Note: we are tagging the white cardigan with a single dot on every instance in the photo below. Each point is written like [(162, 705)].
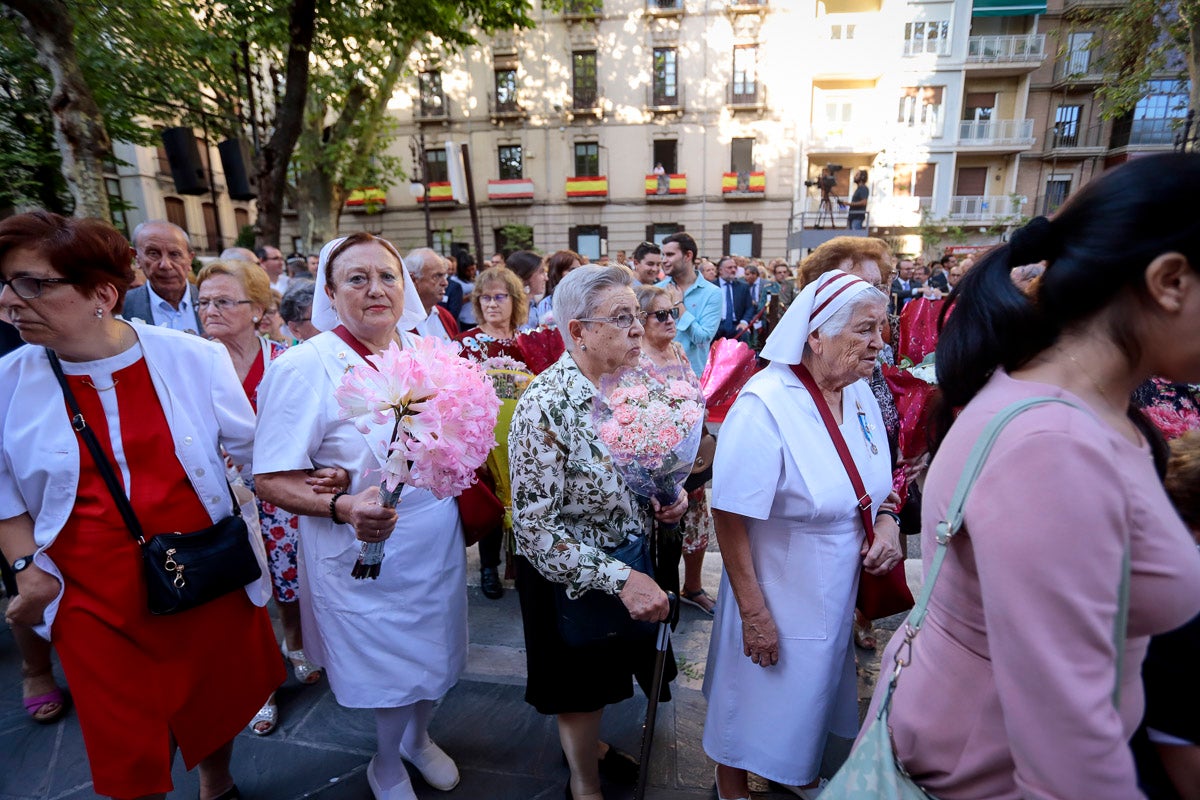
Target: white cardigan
[(201, 397)]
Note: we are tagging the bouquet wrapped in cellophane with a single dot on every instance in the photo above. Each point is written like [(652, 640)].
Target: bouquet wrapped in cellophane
[(443, 410), (650, 419), (509, 378)]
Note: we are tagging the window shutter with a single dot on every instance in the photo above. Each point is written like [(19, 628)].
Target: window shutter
[(725, 238), (573, 238), (756, 241), (649, 233), (603, 240)]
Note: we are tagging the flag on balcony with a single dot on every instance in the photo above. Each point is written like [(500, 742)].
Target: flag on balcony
[(743, 182), (675, 184), (1007, 8), (587, 186), (514, 189), (438, 193), (368, 197)]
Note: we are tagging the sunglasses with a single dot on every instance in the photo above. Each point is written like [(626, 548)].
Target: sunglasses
[(662, 315)]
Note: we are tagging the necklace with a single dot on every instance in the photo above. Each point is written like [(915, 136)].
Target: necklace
[(101, 388), (1088, 375)]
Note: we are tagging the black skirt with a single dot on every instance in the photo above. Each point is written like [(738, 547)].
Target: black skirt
[(563, 679)]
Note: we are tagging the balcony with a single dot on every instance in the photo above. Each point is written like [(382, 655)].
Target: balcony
[(664, 8), (746, 96), (369, 200), (1000, 56), (899, 212), (1066, 141), (1003, 135), (432, 107), (587, 103), (661, 101), (665, 188), (513, 192), (927, 47), (438, 193), (846, 137), (578, 10), (976, 208), (1148, 133), (813, 216), (744, 185), (504, 110), (746, 7), (587, 188), (1079, 69)]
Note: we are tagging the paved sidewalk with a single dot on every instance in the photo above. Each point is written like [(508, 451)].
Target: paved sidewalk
[(505, 750)]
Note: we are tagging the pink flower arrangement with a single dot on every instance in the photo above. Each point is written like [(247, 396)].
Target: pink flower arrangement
[(443, 409), (650, 421)]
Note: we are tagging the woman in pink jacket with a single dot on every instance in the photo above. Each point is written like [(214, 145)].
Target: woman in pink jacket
[(1010, 692)]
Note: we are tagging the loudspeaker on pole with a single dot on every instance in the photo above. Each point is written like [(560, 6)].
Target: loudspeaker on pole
[(187, 170), (241, 181)]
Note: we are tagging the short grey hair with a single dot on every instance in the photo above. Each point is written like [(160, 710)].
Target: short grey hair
[(575, 296), (416, 260), (297, 301), (841, 318), (141, 226)]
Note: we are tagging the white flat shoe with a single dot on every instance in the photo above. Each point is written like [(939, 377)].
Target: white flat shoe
[(400, 791), (811, 793), (437, 768), (717, 787)]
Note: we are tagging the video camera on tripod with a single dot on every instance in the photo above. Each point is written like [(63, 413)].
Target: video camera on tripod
[(827, 180)]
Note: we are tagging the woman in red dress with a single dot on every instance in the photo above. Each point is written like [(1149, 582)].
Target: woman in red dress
[(161, 404)]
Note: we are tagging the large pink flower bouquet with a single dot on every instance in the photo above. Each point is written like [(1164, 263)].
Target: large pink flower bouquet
[(650, 419), (443, 412)]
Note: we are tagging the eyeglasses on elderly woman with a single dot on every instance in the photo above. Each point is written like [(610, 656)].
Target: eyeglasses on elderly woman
[(620, 320), (27, 287)]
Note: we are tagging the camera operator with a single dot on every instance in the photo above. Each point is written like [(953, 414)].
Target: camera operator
[(856, 219)]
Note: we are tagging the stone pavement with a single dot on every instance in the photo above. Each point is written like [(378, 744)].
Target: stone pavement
[(505, 750)]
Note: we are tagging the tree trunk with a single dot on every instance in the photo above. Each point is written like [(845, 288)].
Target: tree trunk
[(79, 129), (1191, 15), (319, 201), (274, 156)]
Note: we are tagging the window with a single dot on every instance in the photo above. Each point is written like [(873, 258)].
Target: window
[(443, 242), (117, 205), (435, 166), (913, 180), (1057, 189), (741, 157), (657, 231), (1155, 115), (666, 152), (583, 79), (921, 108), (176, 212), (589, 240), (587, 159), (979, 106), (841, 31), (164, 163), (742, 239), (745, 74), (210, 227), (511, 164), (241, 218), (665, 5), (506, 90), (1079, 53), (433, 102), (931, 37), (1066, 126), (971, 182), (665, 89)]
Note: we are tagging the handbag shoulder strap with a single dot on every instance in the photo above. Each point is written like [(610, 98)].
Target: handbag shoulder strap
[(839, 443), (103, 466), (950, 527)]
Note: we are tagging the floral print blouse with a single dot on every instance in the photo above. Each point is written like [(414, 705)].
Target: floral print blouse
[(569, 503)]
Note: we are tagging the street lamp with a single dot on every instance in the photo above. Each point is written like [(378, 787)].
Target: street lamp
[(420, 188)]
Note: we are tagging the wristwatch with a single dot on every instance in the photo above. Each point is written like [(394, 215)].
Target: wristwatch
[(22, 563)]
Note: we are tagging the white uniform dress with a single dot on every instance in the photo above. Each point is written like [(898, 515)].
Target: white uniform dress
[(399, 638), (776, 465)]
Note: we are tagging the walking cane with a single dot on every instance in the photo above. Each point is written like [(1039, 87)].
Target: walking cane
[(660, 666)]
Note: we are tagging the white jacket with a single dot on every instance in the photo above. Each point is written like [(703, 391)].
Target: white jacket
[(201, 397)]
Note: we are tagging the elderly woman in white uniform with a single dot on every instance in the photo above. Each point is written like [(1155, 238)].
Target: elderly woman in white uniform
[(395, 644), (780, 674)]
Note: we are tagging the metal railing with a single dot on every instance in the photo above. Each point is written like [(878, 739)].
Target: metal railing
[(511, 108), (930, 47), (431, 105), (1079, 68), (658, 98), (999, 131), (1069, 136), (855, 135), (1006, 49), (980, 208), (587, 100), (753, 95)]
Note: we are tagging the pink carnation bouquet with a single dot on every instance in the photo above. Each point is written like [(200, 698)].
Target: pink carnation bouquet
[(443, 412), (650, 419)]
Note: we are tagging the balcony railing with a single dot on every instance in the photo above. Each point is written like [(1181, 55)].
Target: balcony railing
[(983, 208), (510, 108), (658, 98), (745, 6), (744, 184), (927, 47), (1069, 137), (852, 136), (582, 9), (431, 105), (996, 132), (1145, 132), (587, 187), (747, 95), (1079, 68), (1006, 49), (587, 101), (664, 7), (666, 185), (515, 190)]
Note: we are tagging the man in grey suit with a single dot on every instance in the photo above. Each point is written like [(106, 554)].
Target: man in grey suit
[(164, 255)]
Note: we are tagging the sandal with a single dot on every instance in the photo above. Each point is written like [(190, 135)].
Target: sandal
[(39, 708), (269, 714), (306, 672), (699, 599), (863, 636)]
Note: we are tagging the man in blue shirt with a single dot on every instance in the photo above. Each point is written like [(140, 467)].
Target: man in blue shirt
[(168, 298), (699, 299)]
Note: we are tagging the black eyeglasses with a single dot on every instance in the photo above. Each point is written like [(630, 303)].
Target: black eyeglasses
[(27, 287), (223, 304), (620, 320), (662, 315)]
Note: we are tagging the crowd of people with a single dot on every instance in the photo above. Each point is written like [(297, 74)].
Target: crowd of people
[(1078, 556)]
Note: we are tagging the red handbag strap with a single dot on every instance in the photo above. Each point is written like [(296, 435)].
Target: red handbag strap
[(860, 491), (355, 345)]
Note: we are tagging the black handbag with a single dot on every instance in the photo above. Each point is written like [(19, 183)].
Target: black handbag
[(598, 618), (182, 570)]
